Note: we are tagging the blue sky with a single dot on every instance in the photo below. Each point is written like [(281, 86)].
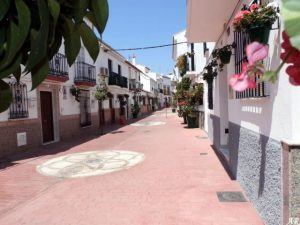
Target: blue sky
[(139, 23)]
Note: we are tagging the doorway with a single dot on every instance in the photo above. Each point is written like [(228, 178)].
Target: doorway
[(85, 108), (112, 110), (47, 116)]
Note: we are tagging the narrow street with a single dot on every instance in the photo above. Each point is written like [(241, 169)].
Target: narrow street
[(175, 184)]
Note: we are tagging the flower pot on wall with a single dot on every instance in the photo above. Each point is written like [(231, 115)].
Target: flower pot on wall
[(259, 34), (225, 57)]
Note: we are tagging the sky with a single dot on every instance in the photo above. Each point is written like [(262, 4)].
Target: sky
[(140, 23)]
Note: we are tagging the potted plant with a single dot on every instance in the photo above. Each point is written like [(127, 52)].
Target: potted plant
[(211, 71), (174, 106), (223, 54), (182, 63), (75, 91), (257, 21), (135, 109), (191, 116)]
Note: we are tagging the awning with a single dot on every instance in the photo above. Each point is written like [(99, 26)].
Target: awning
[(206, 18)]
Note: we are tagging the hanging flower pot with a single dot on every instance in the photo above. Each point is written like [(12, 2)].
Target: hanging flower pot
[(259, 34), (225, 56)]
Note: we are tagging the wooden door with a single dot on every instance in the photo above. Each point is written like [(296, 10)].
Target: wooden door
[(47, 116)]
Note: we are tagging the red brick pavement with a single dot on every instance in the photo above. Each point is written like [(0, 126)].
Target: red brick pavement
[(175, 185)]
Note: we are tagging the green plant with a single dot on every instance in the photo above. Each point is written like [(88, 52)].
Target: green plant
[(223, 55), (31, 33), (75, 91), (101, 93), (210, 71), (255, 16), (182, 63), (135, 109), (196, 95)]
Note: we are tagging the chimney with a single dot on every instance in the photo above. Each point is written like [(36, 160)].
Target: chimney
[(133, 60)]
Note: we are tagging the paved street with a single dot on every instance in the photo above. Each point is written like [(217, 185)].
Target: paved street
[(171, 177)]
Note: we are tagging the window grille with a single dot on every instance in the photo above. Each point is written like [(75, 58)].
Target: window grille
[(241, 40), (19, 105)]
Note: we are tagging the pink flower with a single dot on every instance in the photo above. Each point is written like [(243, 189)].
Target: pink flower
[(240, 82), (256, 52), (239, 16), (254, 7)]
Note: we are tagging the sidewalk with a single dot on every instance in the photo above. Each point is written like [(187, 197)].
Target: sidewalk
[(177, 184)]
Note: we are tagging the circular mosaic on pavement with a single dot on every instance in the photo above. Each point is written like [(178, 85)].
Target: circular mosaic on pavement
[(148, 124), (90, 163)]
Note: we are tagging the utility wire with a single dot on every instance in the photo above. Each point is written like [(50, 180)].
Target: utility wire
[(145, 48)]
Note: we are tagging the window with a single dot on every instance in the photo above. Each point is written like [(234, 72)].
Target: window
[(262, 89), (110, 69), (204, 48), (19, 105), (119, 70)]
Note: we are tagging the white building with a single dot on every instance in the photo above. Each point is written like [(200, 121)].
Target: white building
[(64, 105), (249, 128), (197, 55)]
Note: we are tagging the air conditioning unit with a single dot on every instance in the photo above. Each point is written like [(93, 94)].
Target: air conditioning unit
[(103, 71)]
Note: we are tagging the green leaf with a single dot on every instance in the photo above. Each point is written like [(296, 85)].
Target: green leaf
[(72, 40), (80, 10), (2, 41), (100, 10), (54, 9), (5, 96), (89, 40), (39, 73), (39, 40), (5, 4), (269, 76), (17, 74), (17, 34), (11, 68), (291, 15)]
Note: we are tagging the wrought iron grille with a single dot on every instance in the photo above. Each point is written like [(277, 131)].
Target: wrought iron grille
[(262, 89), (19, 105), (124, 82), (58, 65), (85, 72)]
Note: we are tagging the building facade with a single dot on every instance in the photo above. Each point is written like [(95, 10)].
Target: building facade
[(256, 130)]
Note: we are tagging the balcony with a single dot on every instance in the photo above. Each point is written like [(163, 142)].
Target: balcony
[(135, 85), (85, 74), (58, 69), (117, 80)]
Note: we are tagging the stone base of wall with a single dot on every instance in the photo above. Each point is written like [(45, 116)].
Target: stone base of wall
[(255, 161), (8, 135), (291, 175), (69, 126)]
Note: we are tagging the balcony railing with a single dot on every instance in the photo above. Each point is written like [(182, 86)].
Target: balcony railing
[(58, 68), (124, 82), (135, 85), (85, 74), (117, 80)]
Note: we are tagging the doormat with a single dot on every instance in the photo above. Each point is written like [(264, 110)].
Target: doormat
[(231, 197)]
